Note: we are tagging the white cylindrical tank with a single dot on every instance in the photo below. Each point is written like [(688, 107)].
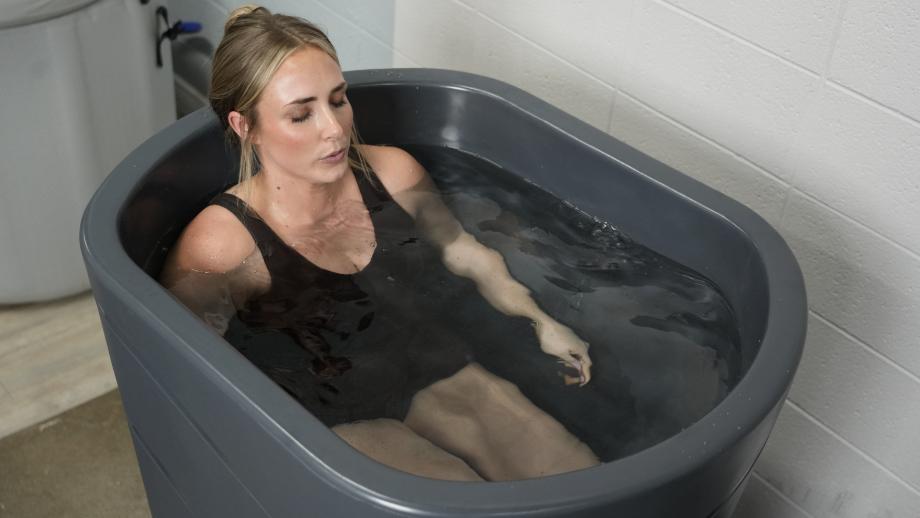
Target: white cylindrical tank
[(79, 89)]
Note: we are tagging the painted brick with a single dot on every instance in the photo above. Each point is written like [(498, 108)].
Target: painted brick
[(401, 61), (739, 96), (862, 161), (869, 402), (641, 128), (877, 52), (374, 17), (447, 35), (826, 477), (799, 30), (762, 501), (856, 279), (567, 29)]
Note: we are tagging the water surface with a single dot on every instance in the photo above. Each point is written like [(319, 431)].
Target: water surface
[(664, 341)]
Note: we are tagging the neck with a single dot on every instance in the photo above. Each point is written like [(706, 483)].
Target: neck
[(295, 201)]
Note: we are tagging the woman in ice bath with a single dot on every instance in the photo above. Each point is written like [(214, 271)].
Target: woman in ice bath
[(286, 250)]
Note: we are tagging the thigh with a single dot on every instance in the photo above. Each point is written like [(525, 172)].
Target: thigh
[(486, 421), (394, 444)]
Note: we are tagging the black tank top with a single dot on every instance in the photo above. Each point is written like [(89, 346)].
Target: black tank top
[(347, 346)]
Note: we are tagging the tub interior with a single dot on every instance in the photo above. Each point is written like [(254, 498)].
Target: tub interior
[(652, 213)]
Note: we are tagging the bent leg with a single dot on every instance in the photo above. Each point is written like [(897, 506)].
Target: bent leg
[(392, 443), (488, 422)]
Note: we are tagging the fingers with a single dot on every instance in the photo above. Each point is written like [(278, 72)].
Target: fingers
[(560, 341), (585, 374), (583, 364), (580, 364)]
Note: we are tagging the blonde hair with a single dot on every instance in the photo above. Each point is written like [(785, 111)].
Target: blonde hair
[(255, 43)]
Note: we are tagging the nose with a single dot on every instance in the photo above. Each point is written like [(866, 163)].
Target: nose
[(332, 128)]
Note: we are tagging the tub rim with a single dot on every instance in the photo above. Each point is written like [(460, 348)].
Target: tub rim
[(758, 393)]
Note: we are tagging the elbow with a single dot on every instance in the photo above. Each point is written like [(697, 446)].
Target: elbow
[(467, 257)]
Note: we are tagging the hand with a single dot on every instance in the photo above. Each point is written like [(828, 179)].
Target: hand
[(561, 342)]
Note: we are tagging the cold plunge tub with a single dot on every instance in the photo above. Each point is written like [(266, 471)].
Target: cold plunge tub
[(216, 437)]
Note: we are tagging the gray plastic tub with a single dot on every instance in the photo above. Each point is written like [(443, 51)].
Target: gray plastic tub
[(216, 437)]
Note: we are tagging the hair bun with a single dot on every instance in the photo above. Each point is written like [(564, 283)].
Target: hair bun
[(239, 12)]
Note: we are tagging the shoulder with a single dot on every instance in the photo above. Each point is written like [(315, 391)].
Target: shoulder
[(214, 242), (398, 170)]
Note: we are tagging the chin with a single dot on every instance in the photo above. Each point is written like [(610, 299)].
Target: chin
[(331, 174)]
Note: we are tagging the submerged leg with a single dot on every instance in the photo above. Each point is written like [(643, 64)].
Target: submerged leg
[(392, 443), (489, 423)]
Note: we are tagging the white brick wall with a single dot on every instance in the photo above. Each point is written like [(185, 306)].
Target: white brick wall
[(805, 110)]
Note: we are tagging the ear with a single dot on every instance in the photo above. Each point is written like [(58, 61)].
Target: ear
[(239, 124)]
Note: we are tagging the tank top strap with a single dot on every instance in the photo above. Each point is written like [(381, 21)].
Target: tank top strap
[(266, 238)]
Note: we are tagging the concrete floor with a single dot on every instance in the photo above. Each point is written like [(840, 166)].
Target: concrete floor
[(52, 358), (80, 463)]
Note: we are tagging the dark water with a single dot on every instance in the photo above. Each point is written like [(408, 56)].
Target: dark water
[(663, 340)]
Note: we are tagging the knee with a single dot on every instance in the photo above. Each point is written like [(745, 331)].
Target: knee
[(484, 381)]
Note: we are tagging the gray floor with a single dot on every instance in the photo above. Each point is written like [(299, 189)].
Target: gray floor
[(80, 463), (52, 358)]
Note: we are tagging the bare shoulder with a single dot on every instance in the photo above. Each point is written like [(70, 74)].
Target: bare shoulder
[(214, 242), (397, 169)]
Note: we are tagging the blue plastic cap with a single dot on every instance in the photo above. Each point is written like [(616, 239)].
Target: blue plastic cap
[(190, 27)]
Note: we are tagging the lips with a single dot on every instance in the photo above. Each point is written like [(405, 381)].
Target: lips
[(335, 156)]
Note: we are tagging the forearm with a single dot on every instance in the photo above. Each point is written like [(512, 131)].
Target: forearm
[(467, 257), (207, 297)]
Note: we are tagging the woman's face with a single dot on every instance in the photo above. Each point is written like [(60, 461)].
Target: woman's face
[(304, 119)]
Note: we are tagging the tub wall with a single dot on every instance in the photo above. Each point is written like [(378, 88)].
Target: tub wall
[(806, 111)]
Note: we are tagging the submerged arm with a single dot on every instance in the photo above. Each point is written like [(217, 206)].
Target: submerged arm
[(207, 268), (465, 256), (207, 295)]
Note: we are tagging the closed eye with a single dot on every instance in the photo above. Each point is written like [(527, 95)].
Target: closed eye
[(307, 115)]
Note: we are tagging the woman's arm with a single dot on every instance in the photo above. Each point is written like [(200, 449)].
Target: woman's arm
[(465, 256), (209, 268)]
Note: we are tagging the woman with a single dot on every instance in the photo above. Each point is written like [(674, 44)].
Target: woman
[(286, 250)]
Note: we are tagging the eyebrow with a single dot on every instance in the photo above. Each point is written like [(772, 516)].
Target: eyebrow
[(306, 100)]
